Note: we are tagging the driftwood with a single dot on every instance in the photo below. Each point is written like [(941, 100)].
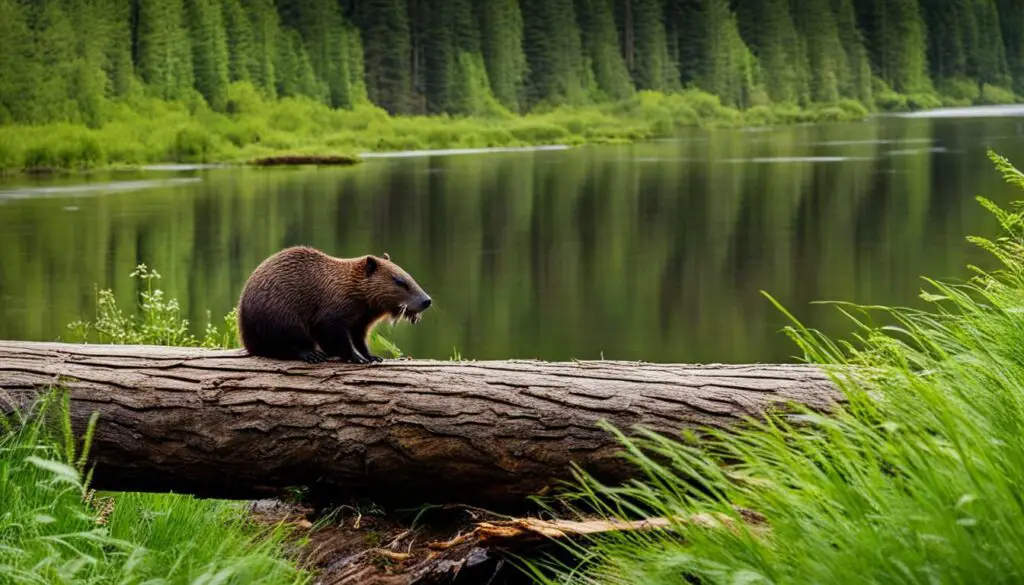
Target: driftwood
[(305, 159), (222, 424)]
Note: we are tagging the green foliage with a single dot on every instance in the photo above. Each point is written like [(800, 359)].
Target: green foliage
[(915, 479), (266, 32), (601, 48), (651, 66), (855, 78), (156, 131), (993, 94), (827, 58), (1011, 20), (769, 29), (76, 60), (208, 39), (160, 320), (554, 53), (386, 53), (164, 52), (501, 41), (240, 41), (323, 33), (897, 42), (54, 529), (712, 55)]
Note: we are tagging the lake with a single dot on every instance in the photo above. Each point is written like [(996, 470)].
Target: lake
[(656, 251)]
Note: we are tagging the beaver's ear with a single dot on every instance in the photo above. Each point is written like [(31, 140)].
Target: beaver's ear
[(371, 265), (387, 256)]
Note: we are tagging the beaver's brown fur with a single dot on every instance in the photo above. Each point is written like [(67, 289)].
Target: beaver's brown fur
[(301, 303)]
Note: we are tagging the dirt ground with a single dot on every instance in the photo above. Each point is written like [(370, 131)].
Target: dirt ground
[(350, 546)]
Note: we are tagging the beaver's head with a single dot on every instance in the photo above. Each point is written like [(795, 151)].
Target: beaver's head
[(391, 291)]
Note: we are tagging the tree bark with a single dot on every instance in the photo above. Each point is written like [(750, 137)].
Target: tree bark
[(223, 424)]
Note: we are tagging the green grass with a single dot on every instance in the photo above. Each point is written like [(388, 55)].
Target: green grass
[(918, 481), (53, 529), (144, 130)]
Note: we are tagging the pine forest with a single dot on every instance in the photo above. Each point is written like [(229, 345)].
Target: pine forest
[(64, 60)]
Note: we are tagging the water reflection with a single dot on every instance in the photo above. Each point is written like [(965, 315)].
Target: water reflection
[(657, 251)]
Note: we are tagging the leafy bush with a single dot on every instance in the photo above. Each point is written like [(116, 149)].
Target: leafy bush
[(923, 101), (993, 94)]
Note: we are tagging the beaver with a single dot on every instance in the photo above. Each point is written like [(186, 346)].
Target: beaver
[(301, 303)]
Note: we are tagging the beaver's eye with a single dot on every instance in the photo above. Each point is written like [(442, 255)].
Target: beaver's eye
[(401, 283)]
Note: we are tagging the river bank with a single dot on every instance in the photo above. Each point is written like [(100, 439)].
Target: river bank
[(145, 131), (142, 132)]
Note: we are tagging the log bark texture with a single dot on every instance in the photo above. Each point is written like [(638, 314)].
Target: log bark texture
[(223, 424)]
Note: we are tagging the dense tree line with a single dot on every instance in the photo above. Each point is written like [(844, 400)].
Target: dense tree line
[(60, 59)]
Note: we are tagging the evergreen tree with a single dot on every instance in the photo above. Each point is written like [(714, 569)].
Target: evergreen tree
[(897, 40), (554, 54), (858, 84), (1011, 20), (712, 55), (87, 81), (119, 65), (386, 48), (989, 63), (54, 49), (322, 29), (240, 41), (600, 41), (470, 92), (951, 36), (63, 59), (266, 34), (501, 35), (438, 52), (19, 70), (295, 75), (356, 73), (164, 57), (646, 45), (825, 55), (208, 40), (767, 26)]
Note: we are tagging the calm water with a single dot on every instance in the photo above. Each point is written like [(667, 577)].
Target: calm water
[(656, 251)]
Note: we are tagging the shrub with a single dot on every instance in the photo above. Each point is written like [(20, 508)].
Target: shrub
[(992, 94), (923, 101), (959, 91), (192, 143)]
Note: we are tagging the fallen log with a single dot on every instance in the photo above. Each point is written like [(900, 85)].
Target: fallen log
[(223, 424), (306, 159)]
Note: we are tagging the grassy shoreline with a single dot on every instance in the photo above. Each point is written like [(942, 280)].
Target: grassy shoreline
[(141, 130)]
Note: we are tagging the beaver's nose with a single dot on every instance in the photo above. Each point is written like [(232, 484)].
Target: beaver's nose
[(425, 304)]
